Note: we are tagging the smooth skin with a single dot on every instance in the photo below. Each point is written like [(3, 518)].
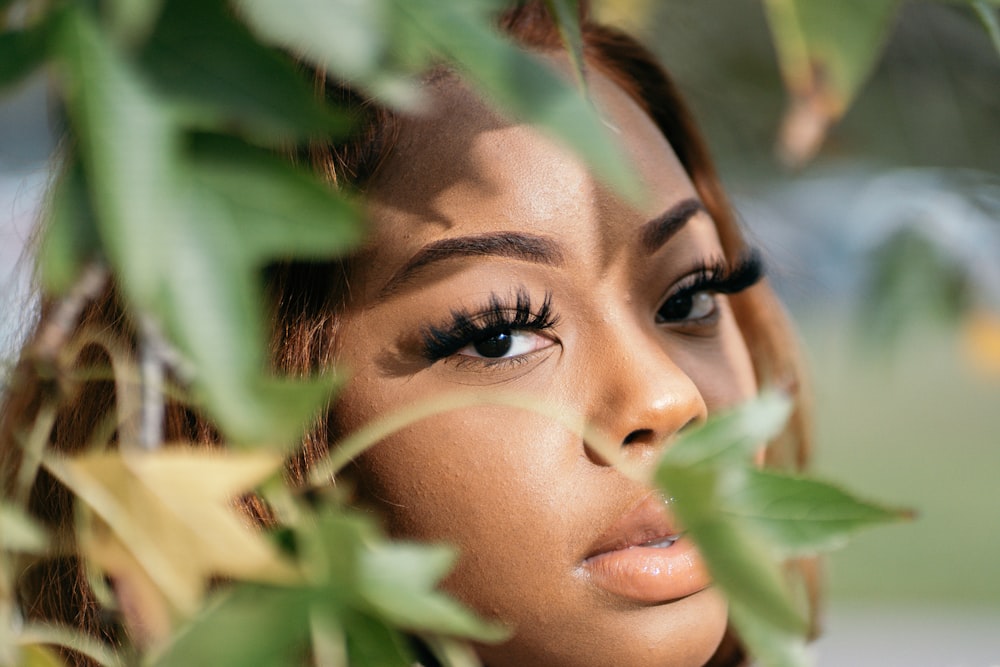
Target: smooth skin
[(522, 496)]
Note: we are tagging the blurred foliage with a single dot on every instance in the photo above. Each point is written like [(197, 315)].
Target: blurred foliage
[(924, 99), (174, 188)]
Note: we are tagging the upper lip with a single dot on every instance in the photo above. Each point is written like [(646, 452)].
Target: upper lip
[(648, 520)]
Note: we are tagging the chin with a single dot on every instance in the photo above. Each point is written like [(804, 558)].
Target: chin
[(680, 633)]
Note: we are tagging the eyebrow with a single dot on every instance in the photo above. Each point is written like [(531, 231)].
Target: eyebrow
[(660, 229), (516, 245)]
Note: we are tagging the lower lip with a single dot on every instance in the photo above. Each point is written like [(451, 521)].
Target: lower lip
[(650, 574)]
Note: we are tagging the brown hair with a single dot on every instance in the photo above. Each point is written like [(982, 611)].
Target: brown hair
[(306, 298)]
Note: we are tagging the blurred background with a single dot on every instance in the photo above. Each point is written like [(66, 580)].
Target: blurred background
[(886, 248)]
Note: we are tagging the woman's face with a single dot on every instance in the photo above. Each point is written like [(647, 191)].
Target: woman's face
[(498, 263)]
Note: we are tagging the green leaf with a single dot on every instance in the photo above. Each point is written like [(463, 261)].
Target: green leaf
[(248, 625), (521, 84), (327, 640), (275, 211), (373, 643), (366, 37), (826, 51), (770, 646), (217, 76), (188, 238), (398, 580), (19, 532), (132, 20), (381, 42), (71, 237), (21, 53), (733, 436), (243, 207), (742, 567), (128, 149), (802, 516), (566, 13), (450, 652)]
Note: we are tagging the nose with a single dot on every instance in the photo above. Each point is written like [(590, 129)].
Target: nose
[(644, 397)]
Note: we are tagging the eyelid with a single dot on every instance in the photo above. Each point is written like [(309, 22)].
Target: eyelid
[(497, 316), (717, 276)]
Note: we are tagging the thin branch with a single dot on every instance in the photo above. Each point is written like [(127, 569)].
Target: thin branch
[(151, 426), (60, 325)]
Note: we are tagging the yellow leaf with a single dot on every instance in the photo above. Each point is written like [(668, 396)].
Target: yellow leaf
[(39, 656), (168, 518)]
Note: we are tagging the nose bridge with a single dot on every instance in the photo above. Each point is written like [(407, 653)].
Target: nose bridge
[(645, 396)]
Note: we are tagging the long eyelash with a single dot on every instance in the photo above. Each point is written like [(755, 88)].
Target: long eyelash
[(721, 277), (499, 316)]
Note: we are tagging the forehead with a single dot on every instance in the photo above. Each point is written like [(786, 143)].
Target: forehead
[(462, 169)]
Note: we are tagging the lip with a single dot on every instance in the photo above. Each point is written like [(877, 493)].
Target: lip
[(623, 561)]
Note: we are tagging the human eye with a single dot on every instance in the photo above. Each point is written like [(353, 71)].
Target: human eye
[(506, 345), (693, 300), (503, 330)]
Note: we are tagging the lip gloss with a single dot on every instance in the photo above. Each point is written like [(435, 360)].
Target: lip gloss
[(644, 557)]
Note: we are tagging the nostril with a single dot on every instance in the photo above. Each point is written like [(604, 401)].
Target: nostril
[(642, 435)]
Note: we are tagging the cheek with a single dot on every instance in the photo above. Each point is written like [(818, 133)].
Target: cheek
[(492, 482), (723, 373)]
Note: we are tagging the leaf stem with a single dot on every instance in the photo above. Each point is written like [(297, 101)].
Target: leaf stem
[(151, 427), (358, 442), (33, 451), (56, 331)]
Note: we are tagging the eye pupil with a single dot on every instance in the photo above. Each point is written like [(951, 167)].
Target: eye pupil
[(495, 346), (676, 308)]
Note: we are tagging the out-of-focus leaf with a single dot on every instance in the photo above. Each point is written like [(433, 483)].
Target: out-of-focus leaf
[(21, 52), (244, 208), (451, 653), (422, 31), (365, 49), (373, 585), (732, 437), (826, 51), (19, 532), (769, 645), (129, 152), (132, 20), (373, 643), (398, 580), (188, 239), (173, 511), (71, 237), (328, 643), (248, 625), (221, 77), (278, 212), (522, 85), (988, 16), (36, 634), (912, 279), (740, 565), (800, 515), (39, 656), (566, 13)]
